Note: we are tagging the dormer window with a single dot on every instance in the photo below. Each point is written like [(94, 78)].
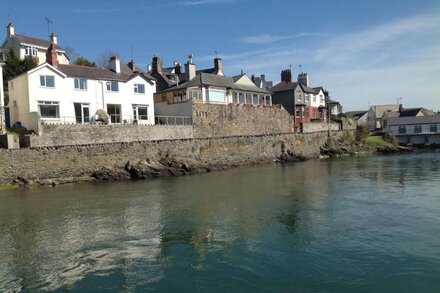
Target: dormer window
[(139, 88), (31, 51)]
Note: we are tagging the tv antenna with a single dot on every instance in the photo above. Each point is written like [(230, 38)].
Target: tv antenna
[(49, 22), (300, 68), (216, 54)]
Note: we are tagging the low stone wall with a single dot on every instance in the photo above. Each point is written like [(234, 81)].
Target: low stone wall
[(76, 134), (316, 127), (212, 120), (41, 164)]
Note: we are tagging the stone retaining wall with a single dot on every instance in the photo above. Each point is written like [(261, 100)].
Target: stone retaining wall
[(78, 161), (76, 134)]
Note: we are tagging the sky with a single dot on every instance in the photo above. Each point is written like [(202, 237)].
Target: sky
[(363, 52)]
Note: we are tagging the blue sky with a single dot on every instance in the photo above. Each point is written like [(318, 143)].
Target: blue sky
[(363, 52)]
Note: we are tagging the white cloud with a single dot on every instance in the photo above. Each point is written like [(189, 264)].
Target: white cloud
[(268, 39), (400, 58)]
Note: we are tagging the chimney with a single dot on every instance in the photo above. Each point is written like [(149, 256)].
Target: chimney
[(263, 77), (149, 68), (303, 79), (114, 64), (10, 30), (286, 76), (54, 39), (157, 64), (51, 55), (218, 65), (190, 68), (177, 67), (132, 66), (253, 78)]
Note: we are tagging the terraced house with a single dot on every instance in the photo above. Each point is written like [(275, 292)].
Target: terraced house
[(208, 86), (306, 104), (61, 93)]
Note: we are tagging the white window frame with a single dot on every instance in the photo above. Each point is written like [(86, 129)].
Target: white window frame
[(31, 51), (110, 88), (43, 81), (136, 112), (139, 88), (80, 83), (49, 103)]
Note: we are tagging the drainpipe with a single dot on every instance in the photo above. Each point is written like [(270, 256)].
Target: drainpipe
[(2, 102)]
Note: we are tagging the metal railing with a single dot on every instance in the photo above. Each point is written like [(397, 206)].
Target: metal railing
[(173, 120)]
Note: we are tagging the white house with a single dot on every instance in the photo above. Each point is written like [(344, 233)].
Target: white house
[(416, 130), (23, 45), (61, 93)]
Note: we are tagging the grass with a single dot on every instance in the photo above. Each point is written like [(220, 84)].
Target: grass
[(376, 141)]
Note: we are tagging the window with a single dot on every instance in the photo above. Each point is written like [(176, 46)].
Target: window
[(112, 86), (402, 129), (139, 88), (418, 129), (241, 98), (255, 99), (217, 95), (314, 99), (80, 83), (321, 98), (298, 96), (306, 96), (433, 128), (140, 112), (47, 80), (49, 109), (195, 94), (31, 51)]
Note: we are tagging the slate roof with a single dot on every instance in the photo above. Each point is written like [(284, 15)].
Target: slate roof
[(330, 101), (34, 41), (263, 83), (432, 119), (284, 86), (92, 72), (218, 81)]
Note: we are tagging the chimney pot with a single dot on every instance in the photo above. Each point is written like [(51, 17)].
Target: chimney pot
[(54, 39)]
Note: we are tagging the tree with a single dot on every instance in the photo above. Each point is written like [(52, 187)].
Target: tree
[(14, 67), (84, 62), (102, 60)]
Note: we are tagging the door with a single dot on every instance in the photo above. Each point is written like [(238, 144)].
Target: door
[(114, 111), (82, 113)]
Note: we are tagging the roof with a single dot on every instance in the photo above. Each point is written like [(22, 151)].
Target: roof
[(330, 101), (92, 72), (207, 79), (307, 89), (381, 109), (432, 119), (356, 113), (34, 41), (284, 86)]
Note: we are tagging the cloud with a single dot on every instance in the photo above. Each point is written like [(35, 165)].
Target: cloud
[(264, 39), (399, 58), (156, 6)]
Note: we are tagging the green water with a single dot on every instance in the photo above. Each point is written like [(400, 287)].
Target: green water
[(369, 224)]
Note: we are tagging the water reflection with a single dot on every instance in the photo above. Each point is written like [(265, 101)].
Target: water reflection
[(244, 228)]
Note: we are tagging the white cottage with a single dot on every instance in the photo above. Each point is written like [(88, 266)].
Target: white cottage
[(62, 93)]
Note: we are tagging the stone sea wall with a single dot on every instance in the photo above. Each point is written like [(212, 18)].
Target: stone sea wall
[(114, 161)]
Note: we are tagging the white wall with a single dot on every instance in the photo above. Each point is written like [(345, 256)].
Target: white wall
[(27, 92), (318, 101)]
